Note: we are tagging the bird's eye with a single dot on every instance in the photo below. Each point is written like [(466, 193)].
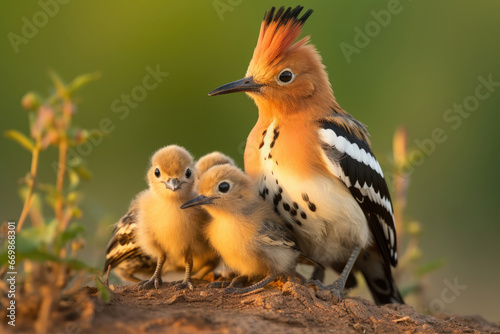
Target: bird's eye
[(157, 172), (188, 173), (224, 187), (285, 77)]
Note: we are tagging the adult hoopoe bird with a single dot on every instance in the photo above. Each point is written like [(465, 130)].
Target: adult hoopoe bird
[(129, 261), (314, 162), (244, 229), (164, 231)]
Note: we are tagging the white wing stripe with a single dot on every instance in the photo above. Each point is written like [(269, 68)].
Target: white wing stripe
[(329, 137)]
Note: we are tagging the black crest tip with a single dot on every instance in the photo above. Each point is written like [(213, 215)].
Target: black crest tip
[(283, 16)]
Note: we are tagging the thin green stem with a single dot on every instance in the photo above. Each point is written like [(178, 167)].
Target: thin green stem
[(31, 185)]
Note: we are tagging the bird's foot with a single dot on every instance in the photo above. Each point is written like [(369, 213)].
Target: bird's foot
[(333, 292), (218, 284), (183, 285), (154, 282), (242, 291), (230, 290)]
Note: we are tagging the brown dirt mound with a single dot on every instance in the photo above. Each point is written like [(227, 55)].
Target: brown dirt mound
[(280, 308)]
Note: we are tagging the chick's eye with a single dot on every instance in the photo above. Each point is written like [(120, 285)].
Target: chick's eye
[(188, 173), (224, 187), (157, 172), (285, 77)]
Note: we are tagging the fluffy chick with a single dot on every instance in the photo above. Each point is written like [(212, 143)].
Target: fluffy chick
[(129, 261), (126, 258), (244, 229), (209, 160), (165, 232)]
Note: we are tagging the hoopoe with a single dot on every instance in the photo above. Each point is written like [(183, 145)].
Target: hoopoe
[(131, 263), (244, 229), (314, 162), (128, 260), (211, 159), (164, 231)]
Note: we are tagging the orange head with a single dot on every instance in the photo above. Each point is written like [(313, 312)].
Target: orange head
[(283, 76)]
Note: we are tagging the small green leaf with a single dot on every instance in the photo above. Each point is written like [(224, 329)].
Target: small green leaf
[(409, 289), (430, 267), (71, 232), (82, 80), (39, 235), (61, 88), (103, 290), (74, 178), (83, 172), (21, 139)]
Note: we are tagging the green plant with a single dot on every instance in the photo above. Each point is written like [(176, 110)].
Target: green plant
[(49, 273), (411, 271)]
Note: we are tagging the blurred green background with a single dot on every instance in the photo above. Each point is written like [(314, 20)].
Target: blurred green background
[(413, 70)]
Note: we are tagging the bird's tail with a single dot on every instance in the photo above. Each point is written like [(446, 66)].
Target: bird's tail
[(379, 278)]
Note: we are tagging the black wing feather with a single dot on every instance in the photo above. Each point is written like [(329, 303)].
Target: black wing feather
[(357, 174)]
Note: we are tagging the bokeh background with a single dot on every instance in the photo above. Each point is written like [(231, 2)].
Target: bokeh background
[(428, 58)]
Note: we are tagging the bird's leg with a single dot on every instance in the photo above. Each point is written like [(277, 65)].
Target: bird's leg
[(155, 280), (106, 282), (318, 274), (258, 285), (236, 282), (186, 283), (337, 287)]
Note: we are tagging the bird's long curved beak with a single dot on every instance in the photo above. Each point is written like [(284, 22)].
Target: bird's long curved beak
[(173, 184), (200, 200), (243, 85)]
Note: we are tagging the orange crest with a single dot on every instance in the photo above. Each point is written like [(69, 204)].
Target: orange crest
[(277, 34)]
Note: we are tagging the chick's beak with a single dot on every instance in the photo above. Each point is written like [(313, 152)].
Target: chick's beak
[(200, 200), (173, 184), (243, 85)]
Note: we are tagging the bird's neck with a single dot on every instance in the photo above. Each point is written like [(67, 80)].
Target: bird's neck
[(311, 108)]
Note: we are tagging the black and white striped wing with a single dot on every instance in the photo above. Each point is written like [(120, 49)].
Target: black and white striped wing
[(122, 245), (352, 161)]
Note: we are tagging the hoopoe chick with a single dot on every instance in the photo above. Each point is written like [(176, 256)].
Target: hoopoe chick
[(244, 229), (130, 262), (165, 232), (209, 160), (202, 165)]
